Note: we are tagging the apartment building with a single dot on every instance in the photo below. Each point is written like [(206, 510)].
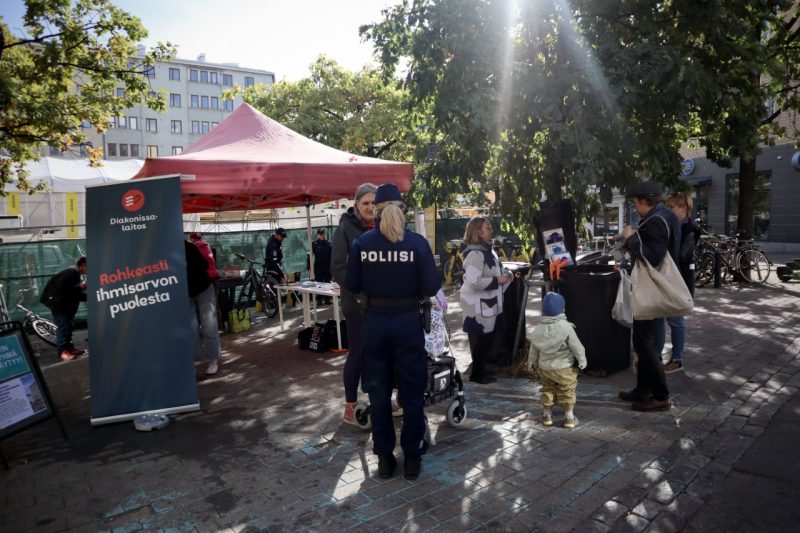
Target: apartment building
[(194, 107)]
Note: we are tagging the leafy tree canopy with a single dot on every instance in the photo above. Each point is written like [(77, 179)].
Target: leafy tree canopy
[(65, 69)]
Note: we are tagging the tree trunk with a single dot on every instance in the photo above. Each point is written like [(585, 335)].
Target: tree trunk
[(747, 187)]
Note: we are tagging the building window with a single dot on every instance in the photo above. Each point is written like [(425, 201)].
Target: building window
[(175, 74), (152, 150), (112, 123), (177, 150), (149, 72), (227, 80), (134, 150), (214, 102), (203, 76), (174, 100), (761, 205), (204, 102), (249, 81), (214, 125), (204, 127), (214, 77), (122, 123), (120, 92), (195, 101), (152, 94), (123, 150), (151, 124), (176, 126), (112, 149), (228, 105), (85, 150), (195, 126), (192, 75), (55, 151), (133, 123), (86, 124)]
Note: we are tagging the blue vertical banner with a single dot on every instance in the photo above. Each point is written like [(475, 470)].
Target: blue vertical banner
[(140, 338)]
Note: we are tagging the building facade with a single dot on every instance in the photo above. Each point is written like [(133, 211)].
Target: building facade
[(194, 107)]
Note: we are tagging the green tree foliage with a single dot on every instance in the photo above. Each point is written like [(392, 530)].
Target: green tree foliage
[(579, 97), (359, 112), (64, 70)]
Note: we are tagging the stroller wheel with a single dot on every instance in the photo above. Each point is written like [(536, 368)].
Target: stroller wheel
[(363, 418), (456, 413)]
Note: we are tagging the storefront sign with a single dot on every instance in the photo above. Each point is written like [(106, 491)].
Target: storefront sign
[(687, 167), (140, 337)]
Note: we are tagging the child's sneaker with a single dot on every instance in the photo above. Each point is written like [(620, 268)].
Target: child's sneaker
[(547, 420), (571, 423), (673, 366), (350, 413)]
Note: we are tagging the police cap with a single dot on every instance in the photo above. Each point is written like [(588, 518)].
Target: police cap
[(281, 232), (388, 192)]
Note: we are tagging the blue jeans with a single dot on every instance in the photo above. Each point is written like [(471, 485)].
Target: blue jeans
[(63, 331), (677, 326), (203, 307)]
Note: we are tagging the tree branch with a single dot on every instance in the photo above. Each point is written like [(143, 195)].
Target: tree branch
[(43, 38)]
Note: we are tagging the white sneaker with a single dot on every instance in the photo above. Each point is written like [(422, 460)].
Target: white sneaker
[(212, 368)]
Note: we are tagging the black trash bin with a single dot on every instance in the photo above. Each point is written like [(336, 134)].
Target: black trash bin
[(590, 292)]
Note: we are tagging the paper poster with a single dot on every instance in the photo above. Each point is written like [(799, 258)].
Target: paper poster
[(555, 247)]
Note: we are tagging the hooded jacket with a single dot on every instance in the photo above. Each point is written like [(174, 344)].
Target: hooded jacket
[(555, 345), (350, 227)]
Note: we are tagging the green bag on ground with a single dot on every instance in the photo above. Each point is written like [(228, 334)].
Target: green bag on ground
[(239, 320)]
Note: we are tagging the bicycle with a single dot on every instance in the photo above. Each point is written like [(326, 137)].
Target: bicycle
[(43, 328), (739, 259), (454, 268), (254, 290)]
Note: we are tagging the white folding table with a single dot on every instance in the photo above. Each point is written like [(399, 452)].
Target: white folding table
[(310, 303)]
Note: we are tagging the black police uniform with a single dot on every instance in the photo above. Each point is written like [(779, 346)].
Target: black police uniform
[(393, 276), (273, 260), (322, 250)]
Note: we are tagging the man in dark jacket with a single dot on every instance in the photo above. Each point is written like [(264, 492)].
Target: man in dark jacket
[(658, 233), (322, 251), (62, 295), (273, 255)]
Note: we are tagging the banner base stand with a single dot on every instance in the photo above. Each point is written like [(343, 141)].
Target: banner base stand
[(131, 416), (150, 422)]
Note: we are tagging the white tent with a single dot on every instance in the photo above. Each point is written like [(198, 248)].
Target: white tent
[(73, 175), (63, 202)]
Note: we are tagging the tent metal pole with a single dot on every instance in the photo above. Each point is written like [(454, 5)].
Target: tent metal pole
[(308, 237)]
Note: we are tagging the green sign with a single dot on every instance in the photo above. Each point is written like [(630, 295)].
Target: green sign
[(12, 358)]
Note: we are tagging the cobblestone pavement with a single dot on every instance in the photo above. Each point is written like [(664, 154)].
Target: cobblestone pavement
[(268, 451)]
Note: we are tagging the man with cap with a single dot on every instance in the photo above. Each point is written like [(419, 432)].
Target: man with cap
[(273, 256), (657, 234), (393, 269), (322, 250)]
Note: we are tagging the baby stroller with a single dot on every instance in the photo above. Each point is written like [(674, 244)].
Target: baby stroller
[(444, 379)]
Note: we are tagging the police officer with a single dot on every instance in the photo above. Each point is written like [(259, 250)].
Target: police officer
[(394, 269), (321, 248), (273, 255)]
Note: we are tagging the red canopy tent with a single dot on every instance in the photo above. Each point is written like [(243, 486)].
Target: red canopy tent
[(250, 161)]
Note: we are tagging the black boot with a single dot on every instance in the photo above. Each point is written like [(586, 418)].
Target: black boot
[(413, 466), (386, 464)]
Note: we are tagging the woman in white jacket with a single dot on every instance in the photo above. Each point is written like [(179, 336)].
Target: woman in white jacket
[(481, 295)]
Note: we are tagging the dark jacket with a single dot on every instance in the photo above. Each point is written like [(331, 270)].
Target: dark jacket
[(657, 238), (384, 269), (350, 227), (273, 256), (196, 270), (322, 250), (63, 293)]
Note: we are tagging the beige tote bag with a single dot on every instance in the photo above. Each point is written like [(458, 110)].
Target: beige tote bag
[(659, 292)]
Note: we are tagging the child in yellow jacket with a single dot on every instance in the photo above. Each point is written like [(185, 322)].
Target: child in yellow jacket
[(554, 349)]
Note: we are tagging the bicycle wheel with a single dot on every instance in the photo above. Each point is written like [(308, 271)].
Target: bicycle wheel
[(246, 294), (270, 302), (753, 266), (45, 330), (704, 269)]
